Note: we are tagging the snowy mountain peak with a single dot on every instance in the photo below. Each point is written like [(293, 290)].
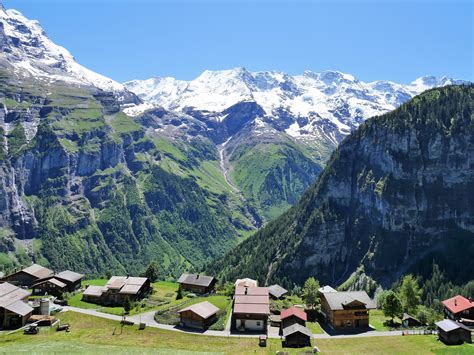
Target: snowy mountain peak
[(26, 51)]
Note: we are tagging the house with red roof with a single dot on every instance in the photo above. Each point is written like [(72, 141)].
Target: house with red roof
[(459, 308), (292, 316)]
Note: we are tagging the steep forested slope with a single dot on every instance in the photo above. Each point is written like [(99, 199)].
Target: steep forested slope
[(395, 195)]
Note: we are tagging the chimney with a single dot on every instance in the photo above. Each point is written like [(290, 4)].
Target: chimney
[(455, 302), (197, 276), (246, 289)]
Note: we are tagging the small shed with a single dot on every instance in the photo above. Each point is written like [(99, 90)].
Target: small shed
[(200, 315), (297, 335), (293, 315), (277, 292), (50, 286), (451, 332), (410, 321)]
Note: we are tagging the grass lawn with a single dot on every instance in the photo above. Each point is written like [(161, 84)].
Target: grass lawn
[(380, 322), (315, 327), (96, 335)]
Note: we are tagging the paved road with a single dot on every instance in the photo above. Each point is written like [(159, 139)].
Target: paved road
[(149, 320)]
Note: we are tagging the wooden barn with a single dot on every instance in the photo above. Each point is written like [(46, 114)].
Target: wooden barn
[(71, 279), (293, 315), (347, 309), (451, 332), (197, 283), (14, 308), (410, 321), (200, 315), (28, 276), (297, 335), (277, 292), (50, 286)]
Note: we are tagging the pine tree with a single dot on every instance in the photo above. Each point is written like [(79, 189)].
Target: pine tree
[(410, 293), (310, 293)]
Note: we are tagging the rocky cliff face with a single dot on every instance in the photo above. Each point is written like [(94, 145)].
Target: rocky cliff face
[(394, 195)]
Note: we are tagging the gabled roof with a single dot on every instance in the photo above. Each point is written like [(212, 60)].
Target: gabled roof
[(277, 291), (251, 291), (38, 271), (448, 325), (203, 309), (251, 299), (69, 276), (53, 280), (248, 308), (406, 316), (19, 307), (11, 297), (458, 304), (293, 311), (326, 288), (340, 300), (95, 291), (196, 279), (126, 284), (246, 282), (296, 328)]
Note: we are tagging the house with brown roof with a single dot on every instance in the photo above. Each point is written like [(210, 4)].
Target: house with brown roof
[(117, 290), (197, 283), (348, 309), (251, 309), (28, 276), (58, 284), (14, 308), (459, 308), (200, 315), (297, 335)]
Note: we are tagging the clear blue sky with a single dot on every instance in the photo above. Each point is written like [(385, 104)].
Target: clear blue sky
[(392, 40)]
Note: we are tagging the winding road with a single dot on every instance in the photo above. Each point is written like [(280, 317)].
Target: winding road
[(149, 319)]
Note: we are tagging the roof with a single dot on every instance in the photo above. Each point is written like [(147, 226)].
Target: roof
[(126, 284), (407, 316), (19, 307), (294, 311), (69, 276), (38, 271), (196, 279), (448, 325), (203, 309), (95, 291), (130, 289), (326, 288), (338, 300), (296, 328), (246, 282), (11, 298), (10, 293), (251, 299), (54, 281), (277, 291), (251, 291), (458, 304), (252, 308)]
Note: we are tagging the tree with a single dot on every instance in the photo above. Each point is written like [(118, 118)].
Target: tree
[(151, 272), (229, 289), (127, 305), (179, 294), (410, 293), (108, 274), (392, 306), (380, 298), (310, 293)]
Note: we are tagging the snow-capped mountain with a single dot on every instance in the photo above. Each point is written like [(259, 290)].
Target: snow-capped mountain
[(27, 52), (330, 103)]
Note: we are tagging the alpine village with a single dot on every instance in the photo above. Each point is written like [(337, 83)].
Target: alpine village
[(239, 212)]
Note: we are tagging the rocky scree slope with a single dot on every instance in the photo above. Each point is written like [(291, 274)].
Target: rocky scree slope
[(395, 196)]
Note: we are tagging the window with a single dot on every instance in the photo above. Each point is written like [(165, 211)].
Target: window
[(258, 324)]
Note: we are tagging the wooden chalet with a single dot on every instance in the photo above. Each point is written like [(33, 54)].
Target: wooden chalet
[(347, 309), (117, 290), (410, 321), (197, 283), (297, 335), (459, 308), (200, 315), (451, 332), (293, 315), (277, 292), (58, 284), (251, 309), (14, 307), (28, 276)]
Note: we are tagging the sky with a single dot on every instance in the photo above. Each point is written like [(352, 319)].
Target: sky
[(373, 40)]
